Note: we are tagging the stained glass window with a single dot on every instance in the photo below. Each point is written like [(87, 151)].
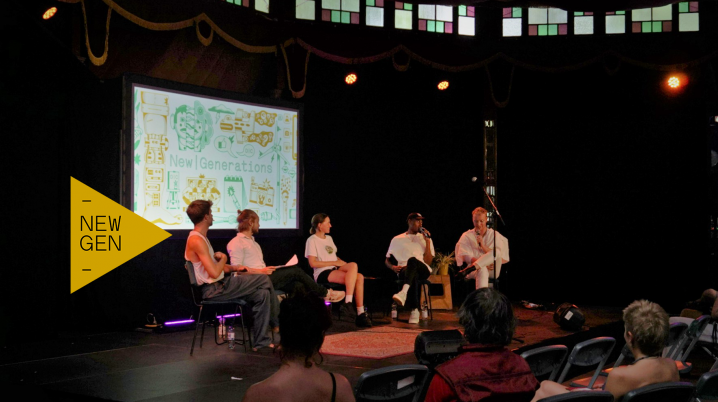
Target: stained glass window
[(243, 3), (583, 23), (340, 11), (261, 5), (547, 21), (434, 18), (688, 16), (615, 22), (654, 19), (467, 23), (512, 21), (402, 15), (375, 13), (304, 10)]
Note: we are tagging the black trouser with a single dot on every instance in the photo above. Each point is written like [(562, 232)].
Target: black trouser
[(414, 273), (288, 279)]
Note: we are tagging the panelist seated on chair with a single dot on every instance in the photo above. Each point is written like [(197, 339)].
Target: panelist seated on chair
[(245, 252), (409, 255), (303, 320), (210, 269), (486, 368), (475, 249), (646, 331), (321, 252)]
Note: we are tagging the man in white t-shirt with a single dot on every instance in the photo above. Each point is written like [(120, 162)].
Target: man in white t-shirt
[(475, 249), (409, 255)]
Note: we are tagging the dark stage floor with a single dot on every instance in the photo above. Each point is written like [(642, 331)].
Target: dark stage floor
[(141, 366)]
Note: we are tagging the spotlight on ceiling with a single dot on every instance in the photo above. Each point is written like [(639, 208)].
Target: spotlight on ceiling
[(350, 78), (49, 13), (443, 85), (675, 81)]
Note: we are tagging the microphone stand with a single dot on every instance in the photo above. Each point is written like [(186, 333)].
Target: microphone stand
[(496, 238)]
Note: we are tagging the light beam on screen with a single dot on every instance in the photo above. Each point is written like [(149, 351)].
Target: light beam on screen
[(190, 146), (49, 13), (350, 79)]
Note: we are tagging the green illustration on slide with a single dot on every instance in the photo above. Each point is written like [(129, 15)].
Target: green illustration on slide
[(224, 144), (193, 126), (276, 152), (236, 194), (220, 109), (242, 125)]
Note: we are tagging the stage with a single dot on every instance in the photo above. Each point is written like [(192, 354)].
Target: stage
[(140, 366)]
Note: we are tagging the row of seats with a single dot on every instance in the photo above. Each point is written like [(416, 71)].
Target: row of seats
[(408, 383)]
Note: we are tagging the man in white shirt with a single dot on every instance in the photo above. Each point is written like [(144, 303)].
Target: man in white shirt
[(475, 249), (409, 255)]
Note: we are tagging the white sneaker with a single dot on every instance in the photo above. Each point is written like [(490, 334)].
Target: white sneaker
[(334, 296), (414, 317), (400, 298)]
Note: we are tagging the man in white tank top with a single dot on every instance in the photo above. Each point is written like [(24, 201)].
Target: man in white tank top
[(210, 269)]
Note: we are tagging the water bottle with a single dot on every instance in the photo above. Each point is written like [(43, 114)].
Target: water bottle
[(393, 311), (230, 336), (424, 311), (220, 328)]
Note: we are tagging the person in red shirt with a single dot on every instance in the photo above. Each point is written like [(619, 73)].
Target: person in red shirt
[(485, 368)]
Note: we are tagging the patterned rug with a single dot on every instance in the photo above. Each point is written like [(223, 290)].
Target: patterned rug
[(373, 343)]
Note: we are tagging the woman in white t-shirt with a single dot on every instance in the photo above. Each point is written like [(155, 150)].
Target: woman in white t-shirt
[(322, 255)]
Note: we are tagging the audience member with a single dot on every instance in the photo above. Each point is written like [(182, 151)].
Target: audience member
[(303, 321), (646, 331), (486, 368)]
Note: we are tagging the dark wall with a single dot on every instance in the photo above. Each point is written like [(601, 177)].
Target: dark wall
[(602, 180)]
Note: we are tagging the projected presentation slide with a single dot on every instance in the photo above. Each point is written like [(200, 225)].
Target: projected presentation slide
[(238, 155)]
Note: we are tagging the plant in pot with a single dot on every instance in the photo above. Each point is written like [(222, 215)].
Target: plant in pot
[(443, 263)]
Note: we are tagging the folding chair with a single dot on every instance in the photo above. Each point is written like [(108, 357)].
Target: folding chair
[(200, 302), (688, 341), (403, 383), (582, 396), (662, 392), (707, 386), (546, 360), (589, 353)]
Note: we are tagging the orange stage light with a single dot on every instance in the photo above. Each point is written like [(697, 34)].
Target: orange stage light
[(674, 82), (350, 78), (443, 85), (49, 13)]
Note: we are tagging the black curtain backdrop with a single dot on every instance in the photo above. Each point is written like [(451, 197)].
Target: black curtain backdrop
[(602, 180)]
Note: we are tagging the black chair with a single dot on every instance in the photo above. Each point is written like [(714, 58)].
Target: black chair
[(662, 392), (546, 360), (582, 396), (200, 302), (707, 386), (403, 383), (425, 285), (690, 338), (589, 353)]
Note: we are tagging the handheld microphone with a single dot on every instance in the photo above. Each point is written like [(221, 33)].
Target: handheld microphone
[(423, 231)]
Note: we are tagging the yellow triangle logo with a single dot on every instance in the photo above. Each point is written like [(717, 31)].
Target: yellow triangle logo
[(104, 235)]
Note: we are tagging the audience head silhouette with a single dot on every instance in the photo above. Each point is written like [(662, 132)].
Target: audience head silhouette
[(487, 317), (303, 321)]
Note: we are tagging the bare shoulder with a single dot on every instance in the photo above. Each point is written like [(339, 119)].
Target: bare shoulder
[(260, 392), (345, 393)]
